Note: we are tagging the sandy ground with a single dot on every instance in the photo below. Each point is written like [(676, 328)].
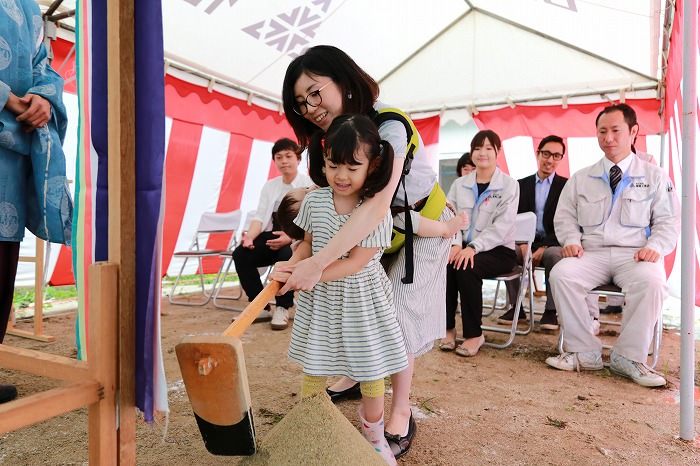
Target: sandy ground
[(504, 406)]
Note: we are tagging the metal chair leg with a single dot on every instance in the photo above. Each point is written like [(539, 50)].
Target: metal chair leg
[(225, 267), (525, 287), (207, 294)]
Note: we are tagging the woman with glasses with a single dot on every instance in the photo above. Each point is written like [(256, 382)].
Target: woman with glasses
[(319, 86), (487, 249)]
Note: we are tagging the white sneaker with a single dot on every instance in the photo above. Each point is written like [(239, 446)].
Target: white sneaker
[(587, 361), (637, 371), (264, 316), (280, 318)]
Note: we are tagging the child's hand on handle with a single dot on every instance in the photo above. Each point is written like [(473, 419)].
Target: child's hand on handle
[(281, 276), (304, 275)]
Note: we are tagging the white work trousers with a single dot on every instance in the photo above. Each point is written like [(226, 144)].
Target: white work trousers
[(644, 285)]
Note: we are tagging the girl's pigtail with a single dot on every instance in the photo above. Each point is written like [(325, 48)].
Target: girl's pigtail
[(316, 161), (382, 167)]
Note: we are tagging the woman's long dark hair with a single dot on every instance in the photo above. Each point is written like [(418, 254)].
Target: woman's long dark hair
[(346, 135), (358, 89)]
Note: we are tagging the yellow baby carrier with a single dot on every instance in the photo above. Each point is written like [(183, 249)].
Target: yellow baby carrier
[(432, 206)]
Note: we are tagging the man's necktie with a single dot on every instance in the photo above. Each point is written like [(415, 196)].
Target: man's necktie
[(615, 177)]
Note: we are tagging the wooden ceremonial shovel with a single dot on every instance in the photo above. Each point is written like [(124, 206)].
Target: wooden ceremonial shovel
[(216, 381)]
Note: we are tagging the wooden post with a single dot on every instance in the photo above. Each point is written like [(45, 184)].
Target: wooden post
[(102, 358), (122, 188)]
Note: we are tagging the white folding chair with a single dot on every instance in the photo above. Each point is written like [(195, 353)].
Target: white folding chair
[(525, 226), (613, 290), (210, 223), (227, 256)]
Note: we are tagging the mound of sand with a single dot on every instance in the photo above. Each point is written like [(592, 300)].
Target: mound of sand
[(314, 432)]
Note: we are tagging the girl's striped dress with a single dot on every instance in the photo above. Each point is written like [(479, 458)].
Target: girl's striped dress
[(348, 326)]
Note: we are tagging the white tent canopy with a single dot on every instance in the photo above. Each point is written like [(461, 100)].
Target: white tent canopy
[(427, 55)]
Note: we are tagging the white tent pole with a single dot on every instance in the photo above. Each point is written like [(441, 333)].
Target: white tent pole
[(663, 154), (689, 122)]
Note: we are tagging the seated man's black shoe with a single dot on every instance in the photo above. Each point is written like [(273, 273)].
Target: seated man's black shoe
[(549, 320), (611, 310), (507, 318), (352, 393), (7, 393), (400, 445)]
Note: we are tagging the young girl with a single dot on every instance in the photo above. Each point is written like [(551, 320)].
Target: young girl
[(346, 325)]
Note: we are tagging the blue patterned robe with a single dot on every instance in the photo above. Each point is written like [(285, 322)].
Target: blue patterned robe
[(33, 187)]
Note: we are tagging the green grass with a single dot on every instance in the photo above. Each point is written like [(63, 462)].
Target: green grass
[(425, 405), (24, 295), (558, 423), (194, 279), (272, 416)]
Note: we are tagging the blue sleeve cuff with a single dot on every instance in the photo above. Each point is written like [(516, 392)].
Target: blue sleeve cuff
[(4, 94)]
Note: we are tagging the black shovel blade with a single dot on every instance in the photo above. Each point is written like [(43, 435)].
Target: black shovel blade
[(234, 440)]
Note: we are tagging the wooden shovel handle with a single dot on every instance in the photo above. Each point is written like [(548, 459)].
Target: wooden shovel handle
[(252, 310)]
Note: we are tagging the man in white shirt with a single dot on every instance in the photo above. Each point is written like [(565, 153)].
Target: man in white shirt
[(265, 243), (616, 220)]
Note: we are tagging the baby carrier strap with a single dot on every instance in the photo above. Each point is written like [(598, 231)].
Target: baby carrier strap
[(412, 141)]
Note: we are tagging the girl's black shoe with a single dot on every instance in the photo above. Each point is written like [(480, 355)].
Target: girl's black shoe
[(352, 393), (400, 445)]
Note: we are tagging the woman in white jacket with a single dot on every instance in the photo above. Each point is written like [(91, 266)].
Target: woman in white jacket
[(490, 199)]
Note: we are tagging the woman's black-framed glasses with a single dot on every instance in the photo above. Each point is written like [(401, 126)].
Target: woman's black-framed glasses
[(313, 99), (554, 155)]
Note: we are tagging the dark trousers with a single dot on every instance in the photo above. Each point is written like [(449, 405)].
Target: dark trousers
[(248, 260), (467, 283), (550, 258), (9, 256)]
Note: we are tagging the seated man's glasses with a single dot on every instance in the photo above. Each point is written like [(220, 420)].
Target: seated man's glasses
[(314, 99), (555, 155)]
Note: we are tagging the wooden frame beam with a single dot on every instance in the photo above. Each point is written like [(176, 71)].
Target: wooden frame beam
[(45, 405), (43, 364)]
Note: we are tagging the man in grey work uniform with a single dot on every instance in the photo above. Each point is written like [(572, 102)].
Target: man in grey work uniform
[(616, 220)]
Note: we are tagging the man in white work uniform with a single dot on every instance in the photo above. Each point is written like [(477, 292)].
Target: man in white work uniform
[(615, 220)]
